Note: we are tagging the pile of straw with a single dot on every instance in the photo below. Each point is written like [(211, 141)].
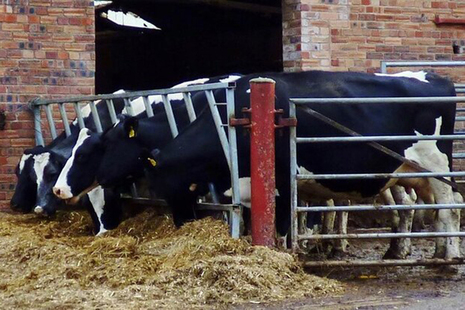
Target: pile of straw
[(146, 262)]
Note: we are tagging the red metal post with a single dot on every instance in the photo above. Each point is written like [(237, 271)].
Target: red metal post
[(262, 161)]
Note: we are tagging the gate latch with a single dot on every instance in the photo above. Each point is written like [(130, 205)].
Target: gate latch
[(281, 121)]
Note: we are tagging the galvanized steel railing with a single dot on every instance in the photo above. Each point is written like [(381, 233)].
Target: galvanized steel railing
[(295, 208), (229, 145)]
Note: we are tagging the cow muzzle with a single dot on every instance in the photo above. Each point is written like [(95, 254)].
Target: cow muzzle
[(44, 211), (62, 192)]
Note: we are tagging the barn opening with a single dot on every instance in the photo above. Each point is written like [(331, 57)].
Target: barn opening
[(198, 38)]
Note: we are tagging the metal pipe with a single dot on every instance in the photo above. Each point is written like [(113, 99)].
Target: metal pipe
[(236, 212), (379, 175), (111, 110), (380, 208), (385, 64), (458, 155), (128, 95), (218, 124), (190, 107), (262, 161), (293, 181), (381, 138), (128, 106), (37, 125), (383, 235), (384, 263), (377, 100), (148, 107), (95, 117), (212, 206), (77, 108), (170, 116), (64, 118), (51, 123)]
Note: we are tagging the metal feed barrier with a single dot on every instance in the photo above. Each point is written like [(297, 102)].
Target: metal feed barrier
[(295, 208), (229, 145)]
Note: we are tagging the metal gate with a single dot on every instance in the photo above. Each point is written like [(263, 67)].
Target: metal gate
[(459, 87), (228, 139), (295, 208)]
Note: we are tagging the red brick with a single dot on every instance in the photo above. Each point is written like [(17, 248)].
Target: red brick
[(10, 18)]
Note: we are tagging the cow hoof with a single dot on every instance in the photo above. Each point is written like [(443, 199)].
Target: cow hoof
[(448, 269), (39, 210), (338, 254), (393, 254)]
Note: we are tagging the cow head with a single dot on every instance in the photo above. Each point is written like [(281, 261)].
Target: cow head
[(36, 172), (24, 197), (121, 152), (47, 167), (78, 174)]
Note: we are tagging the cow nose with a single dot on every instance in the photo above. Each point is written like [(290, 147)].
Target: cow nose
[(56, 191)]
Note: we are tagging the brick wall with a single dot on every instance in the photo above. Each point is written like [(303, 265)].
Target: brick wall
[(46, 49), (356, 35)]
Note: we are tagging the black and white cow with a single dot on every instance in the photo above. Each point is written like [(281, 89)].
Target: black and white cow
[(196, 156)]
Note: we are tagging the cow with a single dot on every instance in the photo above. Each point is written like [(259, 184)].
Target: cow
[(196, 156)]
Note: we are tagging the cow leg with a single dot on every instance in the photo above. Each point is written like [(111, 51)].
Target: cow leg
[(401, 247), (340, 245), (182, 207), (104, 207), (302, 218), (419, 217), (387, 199), (447, 221), (427, 154), (328, 225)]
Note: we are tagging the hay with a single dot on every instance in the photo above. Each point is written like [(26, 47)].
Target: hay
[(146, 262)]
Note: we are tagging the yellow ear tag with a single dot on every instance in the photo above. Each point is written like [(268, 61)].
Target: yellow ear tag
[(152, 161), (132, 133)]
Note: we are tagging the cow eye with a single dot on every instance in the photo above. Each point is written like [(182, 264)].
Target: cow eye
[(81, 157)]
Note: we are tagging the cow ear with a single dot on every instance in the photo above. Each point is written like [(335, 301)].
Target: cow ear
[(130, 127)]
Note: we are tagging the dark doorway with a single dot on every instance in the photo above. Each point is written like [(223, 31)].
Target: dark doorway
[(198, 38)]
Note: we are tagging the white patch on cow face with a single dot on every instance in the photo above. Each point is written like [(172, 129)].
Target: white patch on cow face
[(97, 199), (22, 162), (40, 162), (61, 189), (420, 75)]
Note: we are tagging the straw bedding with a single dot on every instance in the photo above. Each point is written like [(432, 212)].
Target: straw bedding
[(145, 263)]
